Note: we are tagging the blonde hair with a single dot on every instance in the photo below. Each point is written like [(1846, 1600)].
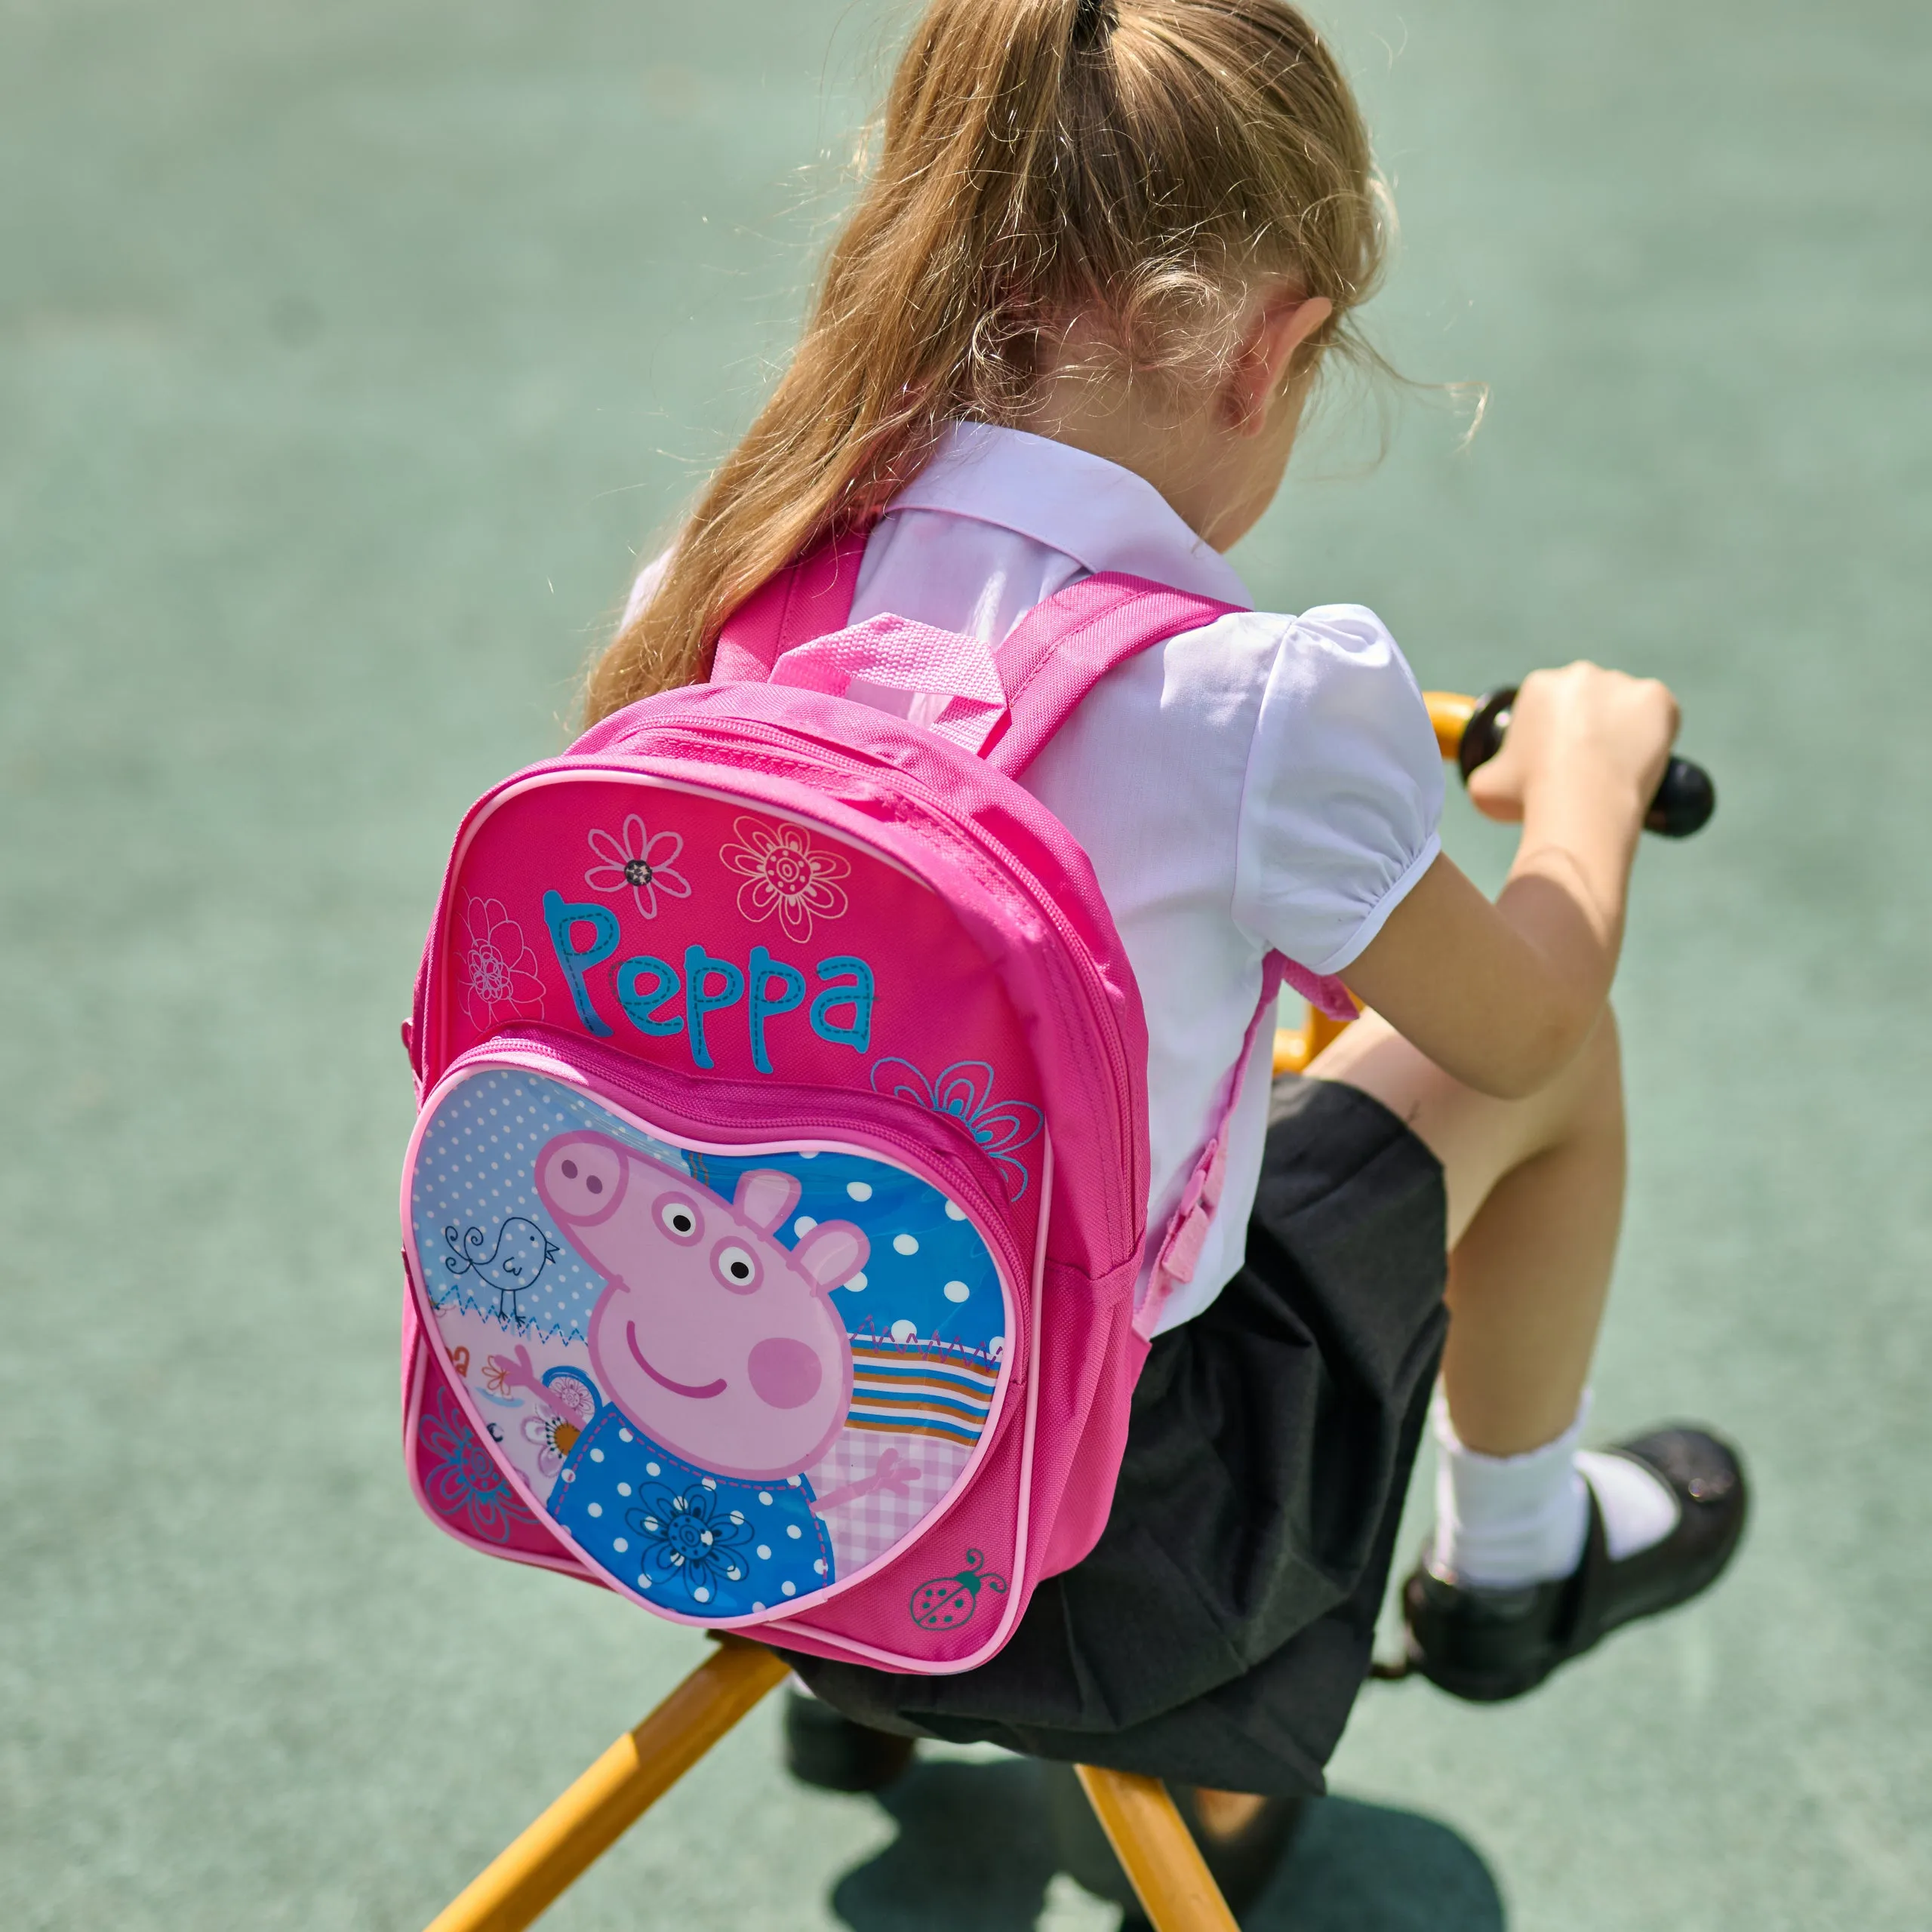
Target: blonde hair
[(1139, 165)]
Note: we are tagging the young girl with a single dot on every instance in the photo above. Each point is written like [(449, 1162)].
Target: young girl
[(1070, 327)]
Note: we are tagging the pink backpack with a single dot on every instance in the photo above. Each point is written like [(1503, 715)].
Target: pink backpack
[(772, 1220)]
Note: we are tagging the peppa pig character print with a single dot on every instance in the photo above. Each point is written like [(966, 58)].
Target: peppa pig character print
[(726, 1373)]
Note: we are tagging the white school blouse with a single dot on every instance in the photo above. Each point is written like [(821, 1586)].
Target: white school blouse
[(1263, 783)]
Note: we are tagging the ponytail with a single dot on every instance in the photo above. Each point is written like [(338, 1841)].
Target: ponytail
[(1141, 161)]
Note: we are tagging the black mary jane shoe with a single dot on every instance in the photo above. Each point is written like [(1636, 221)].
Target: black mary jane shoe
[(1487, 1645), (834, 1752), (1242, 1864)]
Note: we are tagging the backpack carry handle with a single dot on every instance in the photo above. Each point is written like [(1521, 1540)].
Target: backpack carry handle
[(1471, 730), (1003, 703)]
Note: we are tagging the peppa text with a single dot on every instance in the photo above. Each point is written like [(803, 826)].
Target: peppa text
[(661, 999)]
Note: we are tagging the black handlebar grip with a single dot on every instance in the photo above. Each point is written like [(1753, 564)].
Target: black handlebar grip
[(1684, 801)]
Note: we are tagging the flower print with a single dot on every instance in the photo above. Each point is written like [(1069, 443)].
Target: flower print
[(785, 873), (965, 1091), (462, 1483), (641, 860), (693, 1538), (499, 970), (552, 1436), (567, 1403)]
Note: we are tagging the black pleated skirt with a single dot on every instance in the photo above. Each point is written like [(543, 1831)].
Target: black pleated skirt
[(1218, 1633)]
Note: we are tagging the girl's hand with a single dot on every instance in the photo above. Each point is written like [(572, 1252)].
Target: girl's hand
[(1598, 738), (1504, 996)]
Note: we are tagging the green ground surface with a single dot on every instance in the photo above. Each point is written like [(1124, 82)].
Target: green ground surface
[(346, 352)]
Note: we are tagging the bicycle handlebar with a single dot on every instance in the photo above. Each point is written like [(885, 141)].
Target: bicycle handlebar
[(1470, 731)]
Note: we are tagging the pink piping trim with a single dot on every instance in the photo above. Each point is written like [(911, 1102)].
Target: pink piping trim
[(412, 1421)]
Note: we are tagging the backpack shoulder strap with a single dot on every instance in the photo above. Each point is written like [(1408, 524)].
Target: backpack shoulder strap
[(811, 599), (1185, 1235), (1062, 648)]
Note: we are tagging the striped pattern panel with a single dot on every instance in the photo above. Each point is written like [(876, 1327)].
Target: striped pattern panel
[(922, 1388)]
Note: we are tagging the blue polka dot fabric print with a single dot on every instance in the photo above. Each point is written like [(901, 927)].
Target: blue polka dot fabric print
[(732, 1380)]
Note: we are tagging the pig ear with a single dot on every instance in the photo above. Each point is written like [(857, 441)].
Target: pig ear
[(765, 1197), (833, 1252)]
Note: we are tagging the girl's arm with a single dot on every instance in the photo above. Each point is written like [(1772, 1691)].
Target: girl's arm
[(1501, 995)]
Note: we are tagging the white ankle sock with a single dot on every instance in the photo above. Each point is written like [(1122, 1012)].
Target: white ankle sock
[(1637, 1510), (1505, 1522)]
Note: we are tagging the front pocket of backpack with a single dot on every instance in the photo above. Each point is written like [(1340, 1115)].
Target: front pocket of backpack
[(736, 1377)]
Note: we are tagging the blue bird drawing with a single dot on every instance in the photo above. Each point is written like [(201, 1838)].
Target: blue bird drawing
[(522, 1252)]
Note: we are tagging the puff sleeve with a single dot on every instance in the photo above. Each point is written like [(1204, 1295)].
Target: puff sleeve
[(1341, 806)]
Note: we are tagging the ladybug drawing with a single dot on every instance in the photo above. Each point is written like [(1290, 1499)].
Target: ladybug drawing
[(946, 1602)]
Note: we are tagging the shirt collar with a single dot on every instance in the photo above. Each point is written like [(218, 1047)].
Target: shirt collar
[(1102, 516)]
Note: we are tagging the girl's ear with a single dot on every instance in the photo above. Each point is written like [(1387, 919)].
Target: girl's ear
[(1277, 326)]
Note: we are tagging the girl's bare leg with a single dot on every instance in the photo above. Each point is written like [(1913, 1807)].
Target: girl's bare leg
[(1536, 1194)]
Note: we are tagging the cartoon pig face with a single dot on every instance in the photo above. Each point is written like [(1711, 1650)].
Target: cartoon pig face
[(716, 1339)]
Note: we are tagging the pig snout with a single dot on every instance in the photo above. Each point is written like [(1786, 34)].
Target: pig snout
[(581, 1178)]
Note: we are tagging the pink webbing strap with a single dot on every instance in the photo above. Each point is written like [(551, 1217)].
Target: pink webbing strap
[(1059, 651), (811, 599), (1062, 648), (1322, 991), (1187, 1232)]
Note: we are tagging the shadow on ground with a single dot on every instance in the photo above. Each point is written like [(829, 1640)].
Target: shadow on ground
[(974, 1855)]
